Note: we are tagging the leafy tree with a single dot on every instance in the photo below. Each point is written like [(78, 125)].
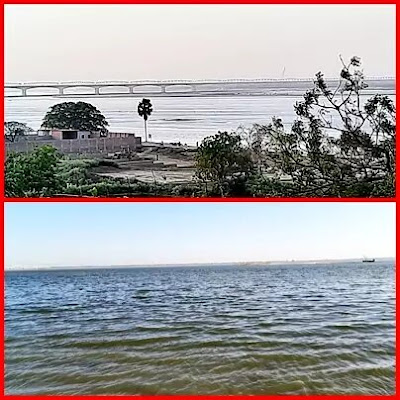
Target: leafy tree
[(339, 145), (145, 109), (32, 174), (222, 160), (80, 116), (14, 130)]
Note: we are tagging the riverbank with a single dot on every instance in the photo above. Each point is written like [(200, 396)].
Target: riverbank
[(155, 163)]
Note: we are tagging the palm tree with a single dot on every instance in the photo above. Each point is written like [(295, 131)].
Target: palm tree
[(145, 109)]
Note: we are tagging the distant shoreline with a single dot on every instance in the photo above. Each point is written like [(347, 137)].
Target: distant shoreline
[(208, 264)]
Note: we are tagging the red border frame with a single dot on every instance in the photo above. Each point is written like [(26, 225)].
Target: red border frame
[(181, 199)]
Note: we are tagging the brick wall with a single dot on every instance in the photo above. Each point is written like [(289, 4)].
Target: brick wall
[(79, 146)]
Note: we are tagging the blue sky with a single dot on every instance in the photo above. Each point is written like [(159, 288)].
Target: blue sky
[(103, 234)]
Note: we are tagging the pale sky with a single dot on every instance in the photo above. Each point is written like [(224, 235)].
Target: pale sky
[(106, 234), (133, 42)]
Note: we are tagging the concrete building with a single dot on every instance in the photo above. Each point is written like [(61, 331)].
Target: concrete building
[(73, 141), (63, 134)]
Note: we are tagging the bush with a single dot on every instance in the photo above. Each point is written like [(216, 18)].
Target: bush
[(222, 161), (32, 174)]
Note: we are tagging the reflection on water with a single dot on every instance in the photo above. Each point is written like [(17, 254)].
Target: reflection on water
[(294, 329)]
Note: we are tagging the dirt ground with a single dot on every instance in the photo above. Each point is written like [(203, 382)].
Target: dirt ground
[(156, 163)]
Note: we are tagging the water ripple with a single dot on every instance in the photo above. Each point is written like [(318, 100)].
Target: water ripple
[(298, 329)]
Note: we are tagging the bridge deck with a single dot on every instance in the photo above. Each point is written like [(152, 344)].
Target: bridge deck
[(178, 87)]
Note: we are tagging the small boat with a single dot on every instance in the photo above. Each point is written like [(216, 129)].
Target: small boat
[(368, 260)]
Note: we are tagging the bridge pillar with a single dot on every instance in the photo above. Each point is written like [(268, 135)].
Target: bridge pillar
[(130, 89), (23, 91), (96, 90), (163, 88), (61, 91)]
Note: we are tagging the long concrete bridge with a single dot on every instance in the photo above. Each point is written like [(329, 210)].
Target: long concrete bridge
[(172, 87)]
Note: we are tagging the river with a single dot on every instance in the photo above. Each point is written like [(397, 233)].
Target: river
[(275, 329)]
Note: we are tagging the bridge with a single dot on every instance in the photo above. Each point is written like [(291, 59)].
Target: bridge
[(169, 87)]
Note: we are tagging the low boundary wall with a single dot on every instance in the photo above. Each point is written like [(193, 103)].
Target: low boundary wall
[(79, 146)]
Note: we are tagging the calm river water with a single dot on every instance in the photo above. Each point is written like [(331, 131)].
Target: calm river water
[(181, 119), (175, 119), (282, 329)]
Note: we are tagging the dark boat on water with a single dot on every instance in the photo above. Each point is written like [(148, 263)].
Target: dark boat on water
[(368, 260)]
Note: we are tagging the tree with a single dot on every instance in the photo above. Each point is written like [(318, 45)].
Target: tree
[(32, 174), (145, 109), (339, 145), (254, 138), (223, 160), (14, 130), (80, 116)]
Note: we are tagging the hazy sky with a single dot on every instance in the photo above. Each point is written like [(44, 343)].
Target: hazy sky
[(104, 234), (130, 42)]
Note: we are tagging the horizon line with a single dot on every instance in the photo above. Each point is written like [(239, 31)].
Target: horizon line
[(209, 263)]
